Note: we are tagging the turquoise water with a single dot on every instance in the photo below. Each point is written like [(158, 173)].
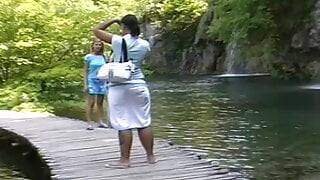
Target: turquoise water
[(261, 127)]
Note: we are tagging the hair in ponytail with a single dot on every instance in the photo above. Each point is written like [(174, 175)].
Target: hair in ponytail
[(131, 22)]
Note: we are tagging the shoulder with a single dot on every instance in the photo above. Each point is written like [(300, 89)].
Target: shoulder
[(116, 39), (88, 57), (144, 43)]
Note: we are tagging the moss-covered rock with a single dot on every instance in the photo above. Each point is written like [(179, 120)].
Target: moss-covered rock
[(288, 47)]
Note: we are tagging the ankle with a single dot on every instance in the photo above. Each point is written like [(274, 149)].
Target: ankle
[(124, 161), (151, 159)]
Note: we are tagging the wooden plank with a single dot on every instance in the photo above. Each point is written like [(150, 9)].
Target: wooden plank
[(72, 152)]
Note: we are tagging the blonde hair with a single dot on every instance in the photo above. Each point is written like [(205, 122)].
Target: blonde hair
[(102, 46)]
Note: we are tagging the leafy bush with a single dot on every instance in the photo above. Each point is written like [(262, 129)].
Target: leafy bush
[(15, 94), (247, 23), (175, 15), (33, 107), (42, 44), (242, 22)]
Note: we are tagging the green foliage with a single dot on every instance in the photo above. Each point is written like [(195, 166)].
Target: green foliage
[(62, 82), (33, 107), (41, 34), (175, 15), (30, 96), (241, 21), (179, 15), (247, 23), (290, 17), (16, 94), (42, 44), (290, 70), (75, 109), (147, 71), (262, 29)]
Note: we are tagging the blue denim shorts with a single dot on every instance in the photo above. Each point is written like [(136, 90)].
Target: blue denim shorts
[(97, 86)]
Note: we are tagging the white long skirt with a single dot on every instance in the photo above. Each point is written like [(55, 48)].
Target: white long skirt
[(129, 106)]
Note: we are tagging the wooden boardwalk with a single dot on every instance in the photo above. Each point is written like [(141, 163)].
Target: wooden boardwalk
[(72, 152)]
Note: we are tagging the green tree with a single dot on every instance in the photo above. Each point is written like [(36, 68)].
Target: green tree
[(174, 15), (42, 44)]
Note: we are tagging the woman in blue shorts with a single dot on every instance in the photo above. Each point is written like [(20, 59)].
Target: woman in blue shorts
[(94, 87)]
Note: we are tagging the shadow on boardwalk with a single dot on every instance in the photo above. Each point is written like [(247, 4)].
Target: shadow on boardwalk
[(71, 152)]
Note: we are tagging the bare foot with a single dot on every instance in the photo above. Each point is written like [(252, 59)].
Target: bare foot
[(117, 165), (152, 160)]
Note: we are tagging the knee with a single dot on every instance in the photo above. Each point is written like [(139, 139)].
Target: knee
[(91, 105), (100, 105)]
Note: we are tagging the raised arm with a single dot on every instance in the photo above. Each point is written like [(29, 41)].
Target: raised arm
[(100, 32)]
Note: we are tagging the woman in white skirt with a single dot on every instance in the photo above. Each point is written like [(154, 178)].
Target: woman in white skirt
[(129, 101)]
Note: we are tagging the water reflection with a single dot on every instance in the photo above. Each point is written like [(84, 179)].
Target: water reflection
[(8, 169), (264, 128), (9, 173), (18, 160)]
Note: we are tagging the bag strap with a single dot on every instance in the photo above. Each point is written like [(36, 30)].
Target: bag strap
[(105, 58), (124, 51)]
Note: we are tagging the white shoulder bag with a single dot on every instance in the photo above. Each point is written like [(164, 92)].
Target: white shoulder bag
[(117, 71)]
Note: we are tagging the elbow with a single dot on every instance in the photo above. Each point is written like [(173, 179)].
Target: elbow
[(95, 30)]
